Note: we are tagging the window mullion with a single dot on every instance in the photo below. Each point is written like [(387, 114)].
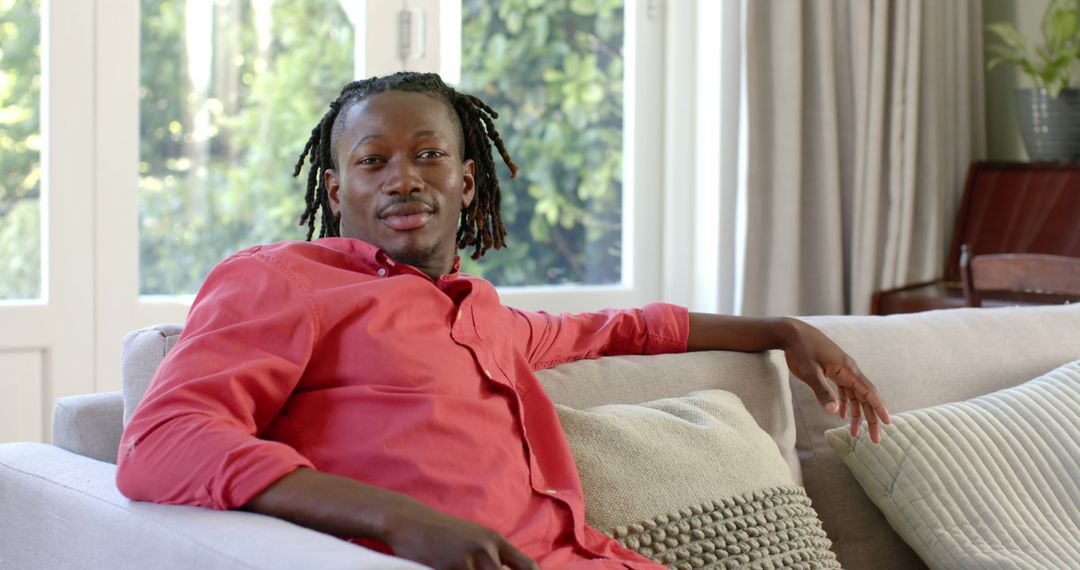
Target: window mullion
[(115, 208)]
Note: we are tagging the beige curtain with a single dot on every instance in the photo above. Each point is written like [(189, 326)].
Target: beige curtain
[(862, 118)]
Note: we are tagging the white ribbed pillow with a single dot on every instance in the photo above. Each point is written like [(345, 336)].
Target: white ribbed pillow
[(991, 482)]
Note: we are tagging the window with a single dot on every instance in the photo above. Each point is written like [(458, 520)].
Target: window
[(20, 149), (231, 89), (168, 130)]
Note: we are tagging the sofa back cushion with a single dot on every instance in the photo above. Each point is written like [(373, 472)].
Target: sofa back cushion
[(759, 380), (140, 354), (916, 361)]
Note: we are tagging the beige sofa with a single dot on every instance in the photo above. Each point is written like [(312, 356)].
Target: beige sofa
[(59, 507)]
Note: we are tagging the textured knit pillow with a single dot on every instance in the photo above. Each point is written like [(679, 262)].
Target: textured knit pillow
[(693, 482), (992, 482)]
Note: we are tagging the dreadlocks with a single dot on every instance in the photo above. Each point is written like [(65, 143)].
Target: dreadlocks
[(481, 223)]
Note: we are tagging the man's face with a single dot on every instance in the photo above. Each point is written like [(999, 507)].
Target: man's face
[(400, 182)]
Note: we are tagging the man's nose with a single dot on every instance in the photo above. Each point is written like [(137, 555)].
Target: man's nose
[(404, 178)]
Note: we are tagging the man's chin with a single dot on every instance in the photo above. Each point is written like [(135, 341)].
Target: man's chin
[(415, 256)]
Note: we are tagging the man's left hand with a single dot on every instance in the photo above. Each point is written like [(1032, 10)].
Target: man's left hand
[(813, 358)]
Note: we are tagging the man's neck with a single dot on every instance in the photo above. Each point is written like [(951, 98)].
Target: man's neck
[(434, 269)]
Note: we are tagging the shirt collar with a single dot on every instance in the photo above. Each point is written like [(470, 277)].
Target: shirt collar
[(376, 258)]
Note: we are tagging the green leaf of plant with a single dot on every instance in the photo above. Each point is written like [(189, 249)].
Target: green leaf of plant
[(514, 22), (583, 7), (592, 94), (993, 63), (1059, 24), (1009, 36), (1011, 48), (1029, 69)]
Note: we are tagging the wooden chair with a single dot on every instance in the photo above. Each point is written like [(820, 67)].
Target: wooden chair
[(1044, 279), (1007, 207)]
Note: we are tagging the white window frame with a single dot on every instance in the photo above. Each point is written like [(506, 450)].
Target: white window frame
[(704, 111)]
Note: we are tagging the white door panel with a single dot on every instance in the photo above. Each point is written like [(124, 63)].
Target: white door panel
[(22, 384)]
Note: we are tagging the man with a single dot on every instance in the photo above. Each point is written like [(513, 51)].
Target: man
[(361, 386)]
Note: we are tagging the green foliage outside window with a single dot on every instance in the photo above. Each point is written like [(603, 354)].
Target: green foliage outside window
[(20, 149), (216, 161), (554, 70)]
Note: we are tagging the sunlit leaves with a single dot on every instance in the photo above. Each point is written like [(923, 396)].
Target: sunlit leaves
[(20, 272), (554, 71), (216, 167), (20, 149)]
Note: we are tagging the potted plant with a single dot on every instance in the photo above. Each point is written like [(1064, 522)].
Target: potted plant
[(1049, 113)]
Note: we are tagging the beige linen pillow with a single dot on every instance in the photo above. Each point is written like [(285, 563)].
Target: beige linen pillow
[(693, 482), (991, 482)]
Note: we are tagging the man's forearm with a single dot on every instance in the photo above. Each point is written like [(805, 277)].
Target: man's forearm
[(743, 334), (344, 507), (330, 503)]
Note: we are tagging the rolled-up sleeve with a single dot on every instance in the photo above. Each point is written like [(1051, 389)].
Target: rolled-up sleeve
[(194, 439), (549, 340)]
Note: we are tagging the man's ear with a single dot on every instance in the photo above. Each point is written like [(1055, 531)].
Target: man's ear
[(469, 177), (333, 189)]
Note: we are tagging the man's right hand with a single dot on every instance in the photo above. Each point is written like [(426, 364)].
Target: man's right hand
[(442, 541), (345, 507)]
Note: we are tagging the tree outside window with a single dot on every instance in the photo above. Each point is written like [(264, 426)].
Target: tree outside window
[(20, 149)]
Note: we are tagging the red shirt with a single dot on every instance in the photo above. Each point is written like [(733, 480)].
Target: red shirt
[(329, 355)]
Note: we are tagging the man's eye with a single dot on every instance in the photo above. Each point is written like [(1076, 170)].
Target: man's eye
[(431, 154), (368, 160)]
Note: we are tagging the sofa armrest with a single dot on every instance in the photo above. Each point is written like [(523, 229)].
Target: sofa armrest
[(89, 424), (62, 510)]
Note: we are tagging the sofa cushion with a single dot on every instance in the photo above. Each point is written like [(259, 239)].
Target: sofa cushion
[(693, 482), (140, 354), (919, 360), (987, 482)]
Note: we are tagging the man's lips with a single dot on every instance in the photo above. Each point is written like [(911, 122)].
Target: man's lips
[(407, 222), (406, 216)]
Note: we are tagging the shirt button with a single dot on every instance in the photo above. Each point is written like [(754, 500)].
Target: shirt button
[(551, 492), (458, 318), (382, 272), (487, 373)]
